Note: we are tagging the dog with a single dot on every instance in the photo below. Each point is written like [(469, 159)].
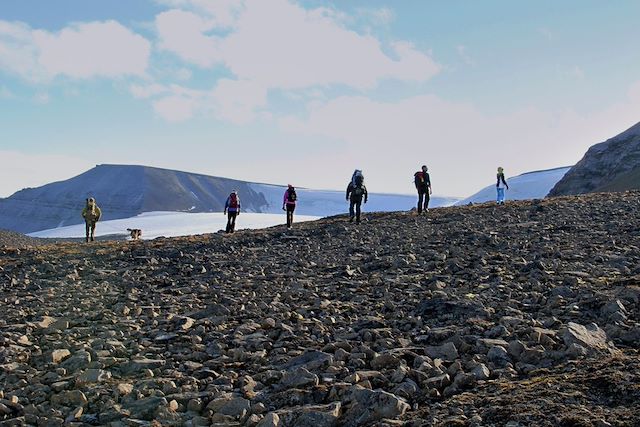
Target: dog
[(135, 233)]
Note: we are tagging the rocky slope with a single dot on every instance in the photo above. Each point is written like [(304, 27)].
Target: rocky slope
[(518, 315), (17, 240), (613, 165)]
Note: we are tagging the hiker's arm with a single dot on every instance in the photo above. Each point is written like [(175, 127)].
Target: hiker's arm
[(505, 182)]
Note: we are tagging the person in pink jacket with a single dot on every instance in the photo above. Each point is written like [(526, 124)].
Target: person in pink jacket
[(289, 204)]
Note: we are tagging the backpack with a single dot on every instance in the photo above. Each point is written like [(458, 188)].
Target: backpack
[(292, 196), (419, 178), (233, 201)]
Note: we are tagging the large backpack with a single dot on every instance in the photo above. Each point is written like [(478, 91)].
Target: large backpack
[(358, 192), (233, 201), (292, 196), (419, 178)]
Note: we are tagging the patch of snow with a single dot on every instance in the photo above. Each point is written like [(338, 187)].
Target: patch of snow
[(172, 224)]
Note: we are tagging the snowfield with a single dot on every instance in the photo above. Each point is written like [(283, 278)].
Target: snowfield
[(530, 185), (332, 202), (173, 224)]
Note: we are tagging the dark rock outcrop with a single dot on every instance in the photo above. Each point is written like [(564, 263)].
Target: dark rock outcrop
[(613, 165)]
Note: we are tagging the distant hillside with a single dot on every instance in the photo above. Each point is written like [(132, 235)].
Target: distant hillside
[(530, 185), (613, 165), (124, 191)]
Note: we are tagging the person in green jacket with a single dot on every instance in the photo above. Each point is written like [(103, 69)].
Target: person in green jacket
[(91, 214)]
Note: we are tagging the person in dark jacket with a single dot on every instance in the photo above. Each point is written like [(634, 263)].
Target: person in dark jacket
[(422, 181), (356, 194), (232, 207), (501, 185), (91, 214), (289, 203)]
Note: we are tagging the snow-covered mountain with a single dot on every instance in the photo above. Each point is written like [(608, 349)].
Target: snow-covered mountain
[(172, 224), (125, 191), (530, 185)]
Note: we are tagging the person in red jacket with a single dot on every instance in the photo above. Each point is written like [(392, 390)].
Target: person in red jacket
[(289, 203), (232, 206)]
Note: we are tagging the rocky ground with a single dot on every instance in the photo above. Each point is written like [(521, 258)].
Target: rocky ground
[(519, 315), (11, 239)]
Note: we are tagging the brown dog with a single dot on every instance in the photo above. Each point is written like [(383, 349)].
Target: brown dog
[(136, 233)]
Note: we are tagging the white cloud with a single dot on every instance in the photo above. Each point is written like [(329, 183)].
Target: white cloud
[(278, 45), (221, 13), (20, 170), (460, 144), (94, 49), (184, 74), (147, 91), (236, 100), (105, 49), (18, 52), (182, 33), (175, 108), (381, 16)]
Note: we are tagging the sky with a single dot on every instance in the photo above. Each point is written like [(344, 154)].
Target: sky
[(304, 92)]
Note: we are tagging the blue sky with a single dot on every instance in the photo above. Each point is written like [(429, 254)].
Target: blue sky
[(304, 92)]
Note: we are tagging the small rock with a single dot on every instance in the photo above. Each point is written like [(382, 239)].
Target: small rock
[(447, 351), (270, 420)]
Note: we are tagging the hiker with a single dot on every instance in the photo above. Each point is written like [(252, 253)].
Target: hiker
[(289, 203), (501, 185), (232, 207), (357, 174), (91, 214), (423, 184), (356, 193)]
